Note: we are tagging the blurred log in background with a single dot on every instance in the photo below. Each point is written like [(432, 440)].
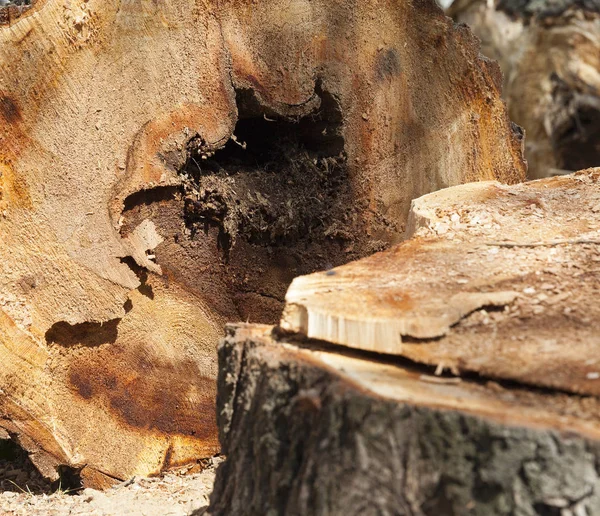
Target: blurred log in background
[(549, 52)]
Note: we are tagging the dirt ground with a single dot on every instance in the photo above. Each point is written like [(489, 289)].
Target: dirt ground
[(178, 493)]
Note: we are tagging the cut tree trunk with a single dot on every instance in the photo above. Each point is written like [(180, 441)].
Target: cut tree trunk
[(550, 55), (167, 166), (456, 373)]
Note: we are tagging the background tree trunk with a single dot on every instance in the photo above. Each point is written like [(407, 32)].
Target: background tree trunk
[(435, 392), (549, 53), (167, 166)]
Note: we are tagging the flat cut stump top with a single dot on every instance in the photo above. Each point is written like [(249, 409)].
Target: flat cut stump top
[(496, 280)]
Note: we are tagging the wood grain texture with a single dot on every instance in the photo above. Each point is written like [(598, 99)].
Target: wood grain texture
[(108, 365), (549, 53), (496, 280), (453, 374)]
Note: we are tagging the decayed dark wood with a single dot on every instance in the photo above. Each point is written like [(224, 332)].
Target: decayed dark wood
[(313, 430), (129, 233)]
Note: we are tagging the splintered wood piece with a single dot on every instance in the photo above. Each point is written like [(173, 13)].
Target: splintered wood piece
[(328, 430), (112, 300), (495, 280)]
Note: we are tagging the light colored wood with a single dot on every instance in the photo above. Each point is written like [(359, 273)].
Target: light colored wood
[(114, 373), (496, 280)]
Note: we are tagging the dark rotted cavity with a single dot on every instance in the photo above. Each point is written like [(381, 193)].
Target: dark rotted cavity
[(276, 181), (69, 480), (84, 334), (9, 450), (388, 64), (145, 288), (91, 334), (578, 142), (544, 509), (148, 197), (10, 10), (278, 200), (18, 474), (18, 2)]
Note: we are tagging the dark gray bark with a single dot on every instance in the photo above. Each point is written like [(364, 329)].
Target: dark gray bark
[(546, 8), (302, 438)]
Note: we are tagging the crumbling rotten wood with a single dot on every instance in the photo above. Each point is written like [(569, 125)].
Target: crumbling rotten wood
[(442, 376)]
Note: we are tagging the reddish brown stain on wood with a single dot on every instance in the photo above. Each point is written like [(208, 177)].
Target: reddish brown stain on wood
[(15, 191), (9, 109), (147, 392), (83, 385)]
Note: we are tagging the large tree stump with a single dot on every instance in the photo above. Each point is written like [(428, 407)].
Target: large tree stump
[(456, 373), (167, 166), (549, 52)]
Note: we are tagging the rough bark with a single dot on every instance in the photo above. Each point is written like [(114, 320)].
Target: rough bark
[(455, 373), (549, 52), (129, 229), (309, 431)]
